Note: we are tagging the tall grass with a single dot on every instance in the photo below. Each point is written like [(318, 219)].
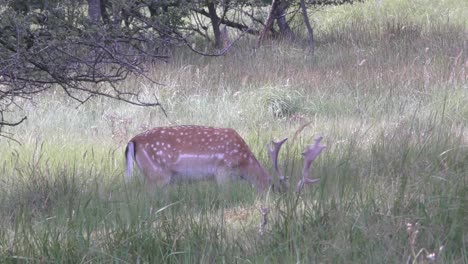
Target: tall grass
[(387, 88)]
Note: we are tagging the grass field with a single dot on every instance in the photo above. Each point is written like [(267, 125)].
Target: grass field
[(387, 89)]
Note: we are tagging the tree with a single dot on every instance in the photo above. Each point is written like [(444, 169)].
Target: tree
[(51, 44), (82, 47), (310, 31), (279, 12)]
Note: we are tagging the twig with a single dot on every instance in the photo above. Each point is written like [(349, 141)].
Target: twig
[(264, 211)]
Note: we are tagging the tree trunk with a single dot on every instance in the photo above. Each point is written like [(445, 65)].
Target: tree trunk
[(215, 22), (285, 30), (310, 31), (269, 23), (94, 10), (104, 13), (278, 13)]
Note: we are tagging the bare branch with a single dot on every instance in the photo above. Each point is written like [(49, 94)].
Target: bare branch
[(9, 138), (229, 23), (220, 53), (299, 130), (3, 123)]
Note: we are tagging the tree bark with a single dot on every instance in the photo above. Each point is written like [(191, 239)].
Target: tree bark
[(229, 23), (104, 13), (310, 31), (278, 13), (285, 30), (215, 22), (269, 22), (94, 10)]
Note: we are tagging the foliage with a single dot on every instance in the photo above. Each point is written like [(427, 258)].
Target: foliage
[(389, 95), (55, 44), (80, 45)]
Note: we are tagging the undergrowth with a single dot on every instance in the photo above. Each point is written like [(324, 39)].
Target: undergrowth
[(386, 87)]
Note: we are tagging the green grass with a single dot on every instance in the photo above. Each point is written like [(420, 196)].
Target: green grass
[(388, 90)]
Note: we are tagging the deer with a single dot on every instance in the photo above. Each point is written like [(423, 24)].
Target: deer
[(166, 155)]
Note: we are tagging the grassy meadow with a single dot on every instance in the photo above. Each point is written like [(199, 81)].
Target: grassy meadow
[(387, 88)]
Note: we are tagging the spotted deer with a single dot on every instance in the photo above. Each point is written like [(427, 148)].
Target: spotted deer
[(189, 153)]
